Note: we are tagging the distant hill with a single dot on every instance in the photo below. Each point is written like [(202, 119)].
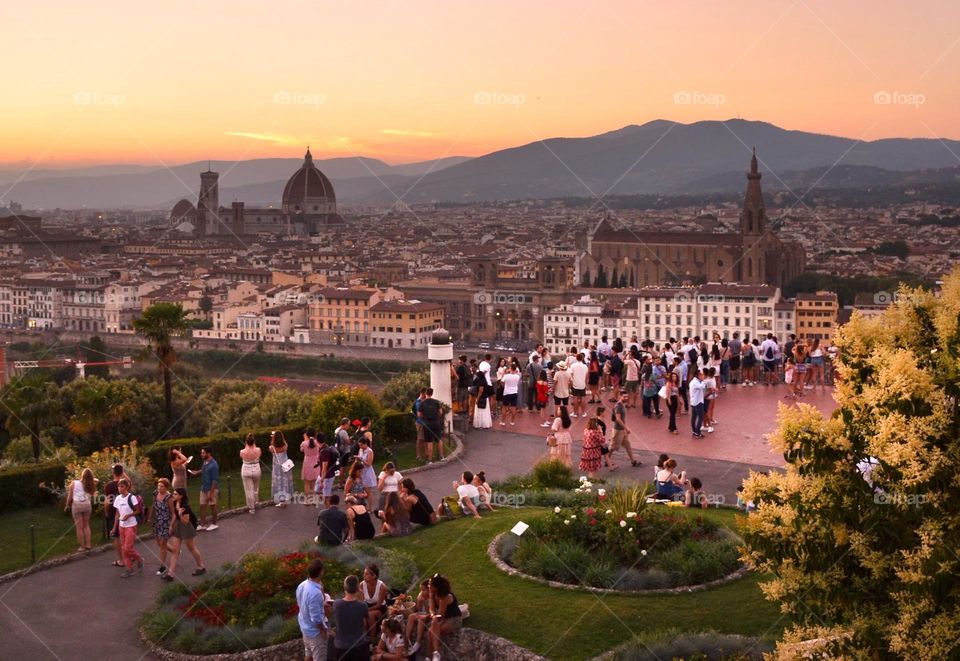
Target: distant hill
[(659, 157)]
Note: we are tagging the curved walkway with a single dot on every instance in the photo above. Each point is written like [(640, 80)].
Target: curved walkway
[(84, 610)]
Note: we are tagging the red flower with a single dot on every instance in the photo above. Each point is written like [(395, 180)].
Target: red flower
[(593, 522)]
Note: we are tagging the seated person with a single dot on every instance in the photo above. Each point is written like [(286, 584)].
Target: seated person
[(396, 519), (333, 524), (661, 460), (358, 519), (484, 491), (419, 618), (668, 484), (467, 494), (416, 503), (374, 592), (694, 496), (392, 646), (444, 612)]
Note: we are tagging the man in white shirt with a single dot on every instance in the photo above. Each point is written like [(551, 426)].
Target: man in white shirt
[(535, 352), (468, 494), (561, 387), (697, 403), (578, 385), (511, 395), (768, 352)]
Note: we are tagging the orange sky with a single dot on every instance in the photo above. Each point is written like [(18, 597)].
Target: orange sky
[(405, 80)]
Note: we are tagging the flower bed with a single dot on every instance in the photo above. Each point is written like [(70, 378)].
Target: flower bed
[(620, 542), (253, 604)]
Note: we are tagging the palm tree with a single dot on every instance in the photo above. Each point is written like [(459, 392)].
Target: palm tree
[(159, 324)]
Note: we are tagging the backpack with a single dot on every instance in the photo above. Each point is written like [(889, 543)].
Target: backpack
[(138, 510), (769, 354)]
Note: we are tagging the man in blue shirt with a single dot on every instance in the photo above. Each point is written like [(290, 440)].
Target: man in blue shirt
[(313, 616), (209, 487)]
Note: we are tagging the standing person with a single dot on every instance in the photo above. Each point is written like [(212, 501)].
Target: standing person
[(816, 364), (533, 371), (445, 613), (110, 491), (281, 485), (621, 433), (472, 390), (350, 617), (561, 431), (673, 400), (680, 369), (788, 347), (312, 615), (329, 461), (799, 368), (309, 472), (160, 516), (431, 412), (511, 392), (183, 530), (343, 442), (369, 476), (209, 488), (616, 371), (418, 423), (632, 369), (769, 352), (579, 373), (543, 397), (590, 455), (250, 472), (463, 385), (594, 372), (697, 393), (710, 394), (482, 419), (561, 387), (80, 495), (724, 363), (178, 467), (736, 348), (128, 506), (601, 416)]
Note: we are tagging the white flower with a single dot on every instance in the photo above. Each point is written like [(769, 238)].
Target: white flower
[(573, 516), (583, 478), (630, 515), (566, 522), (556, 510), (601, 492), (609, 512), (623, 524), (631, 530), (644, 551)]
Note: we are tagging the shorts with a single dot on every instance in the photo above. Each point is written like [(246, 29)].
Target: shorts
[(209, 497), (816, 360), (621, 439), (615, 380), (432, 434), (632, 386), (561, 401), (510, 400), (327, 488), (315, 648), (769, 366), (800, 368), (578, 392), (462, 394), (455, 623), (593, 378), (540, 405), (80, 508), (749, 361), (419, 433), (735, 362)]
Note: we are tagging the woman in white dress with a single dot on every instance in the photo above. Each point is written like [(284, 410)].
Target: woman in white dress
[(481, 413)]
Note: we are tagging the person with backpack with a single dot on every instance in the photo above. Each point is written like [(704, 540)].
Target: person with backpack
[(129, 511), (328, 461), (432, 415), (343, 442), (769, 352), (533, 370), (418, 423)]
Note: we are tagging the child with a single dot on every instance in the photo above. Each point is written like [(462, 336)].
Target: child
[(543, 392), (392, 646), (788, 376), (695, 495), (420, 617)]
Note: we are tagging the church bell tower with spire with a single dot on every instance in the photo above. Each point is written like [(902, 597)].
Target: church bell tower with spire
[(753, 226)]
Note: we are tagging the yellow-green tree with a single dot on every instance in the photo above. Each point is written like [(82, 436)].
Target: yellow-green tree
[(870, 565)]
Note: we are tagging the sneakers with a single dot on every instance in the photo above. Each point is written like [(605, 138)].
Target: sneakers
[(695, 435), (126, 574), (503, 424), (573, 415), (709, 430), (212, 527), (162, 570), (316, 540), (414, 648), (198, 571), (544, 424), (435, 657), (201, 527)]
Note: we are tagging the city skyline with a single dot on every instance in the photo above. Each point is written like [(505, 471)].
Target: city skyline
[(408, 81)]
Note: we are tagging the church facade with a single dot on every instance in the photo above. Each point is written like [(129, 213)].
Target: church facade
[(308, 205), (754, 255)]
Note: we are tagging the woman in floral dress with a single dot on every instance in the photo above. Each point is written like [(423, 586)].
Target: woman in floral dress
[(590, 455), (160, 516), (282, 485)]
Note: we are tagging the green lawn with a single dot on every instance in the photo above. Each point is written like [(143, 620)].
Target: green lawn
[(562, 624)]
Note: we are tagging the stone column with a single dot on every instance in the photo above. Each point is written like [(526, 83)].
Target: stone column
[(440, 354)]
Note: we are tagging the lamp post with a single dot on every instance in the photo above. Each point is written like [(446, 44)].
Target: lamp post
[(440, 355)]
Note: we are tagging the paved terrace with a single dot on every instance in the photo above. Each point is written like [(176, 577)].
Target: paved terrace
[(84, 610)]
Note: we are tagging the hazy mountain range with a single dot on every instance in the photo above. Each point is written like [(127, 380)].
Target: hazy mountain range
[(657, 157)]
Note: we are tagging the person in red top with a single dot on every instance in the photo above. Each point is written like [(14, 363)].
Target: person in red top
[(542, 387)]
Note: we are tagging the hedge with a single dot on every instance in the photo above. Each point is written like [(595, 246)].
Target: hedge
[(225, 447), (20, 485), (397, 427)]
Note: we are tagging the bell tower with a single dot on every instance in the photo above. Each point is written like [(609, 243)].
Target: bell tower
[(753, 225)]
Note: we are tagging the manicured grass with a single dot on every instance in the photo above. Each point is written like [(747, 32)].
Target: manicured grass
[(563, 624), (404, 455)]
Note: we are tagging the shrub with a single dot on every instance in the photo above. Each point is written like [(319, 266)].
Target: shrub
[(708, 645), (689, 563), (634, 579), (340, 402), (400, 391), (20, 485), (599, 573), (397, 427), (135, 462), (552, 474), (623, 499)]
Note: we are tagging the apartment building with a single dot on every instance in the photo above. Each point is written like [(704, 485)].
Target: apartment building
[(404, 324), (567, 326), (817, 316)]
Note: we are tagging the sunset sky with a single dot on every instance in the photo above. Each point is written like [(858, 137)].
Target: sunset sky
[(405, 80)]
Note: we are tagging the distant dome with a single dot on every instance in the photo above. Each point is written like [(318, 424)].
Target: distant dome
[(183, 211), (309, 191)]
